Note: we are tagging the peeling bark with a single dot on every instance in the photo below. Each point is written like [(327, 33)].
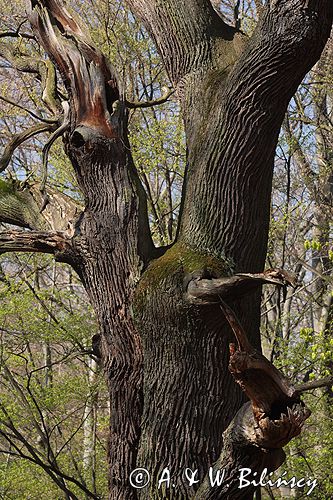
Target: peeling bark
[(53, 242), (21, 204), (256, 436), (18, 207)]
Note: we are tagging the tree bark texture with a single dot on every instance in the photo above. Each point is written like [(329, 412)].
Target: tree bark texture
[(166, 357)]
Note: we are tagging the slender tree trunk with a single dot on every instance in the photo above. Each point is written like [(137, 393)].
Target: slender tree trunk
[(89, 426)]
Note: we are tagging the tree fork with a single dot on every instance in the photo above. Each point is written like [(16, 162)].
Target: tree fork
[(229, 90)]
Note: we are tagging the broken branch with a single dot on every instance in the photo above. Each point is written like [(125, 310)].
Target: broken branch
[(79, 62), (53, 242), (250, 369), (256, 435), (201, 291)]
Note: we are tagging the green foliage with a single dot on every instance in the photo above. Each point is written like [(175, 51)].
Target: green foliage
[(50, 389), (311, 454)]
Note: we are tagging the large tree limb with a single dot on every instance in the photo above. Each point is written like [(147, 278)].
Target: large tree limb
[(183, 32), (98, 115), (79, 62), (50, 91), (247, 103), (60, 212)]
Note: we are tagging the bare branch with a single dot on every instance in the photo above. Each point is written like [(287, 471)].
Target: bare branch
[(308, 174), (148, 104), (18, 139), (49, 466), (17, 33), (314, 384), (13, 34), (31, 113)]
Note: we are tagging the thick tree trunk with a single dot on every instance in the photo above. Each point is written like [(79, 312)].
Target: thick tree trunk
[(166, 358), (189, 394), (234, 94), (109, 265), (111, 240)]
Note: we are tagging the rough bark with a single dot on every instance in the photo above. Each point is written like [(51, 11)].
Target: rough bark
[(233, 105), (111, 237), (166, 359), (34, 241)]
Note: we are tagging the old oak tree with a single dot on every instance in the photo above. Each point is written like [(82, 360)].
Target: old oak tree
[(169, 316)]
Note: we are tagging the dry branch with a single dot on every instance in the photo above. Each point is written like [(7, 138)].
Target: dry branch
[(272, 417), (79, 62), (18, 139), (31, 113), (314, 384), (201, 291), (53, 242), (149, 104)]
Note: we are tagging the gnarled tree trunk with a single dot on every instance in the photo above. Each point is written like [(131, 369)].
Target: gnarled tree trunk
[(165, 351)]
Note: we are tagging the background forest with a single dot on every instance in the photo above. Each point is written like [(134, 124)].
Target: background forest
[(53, 403)]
